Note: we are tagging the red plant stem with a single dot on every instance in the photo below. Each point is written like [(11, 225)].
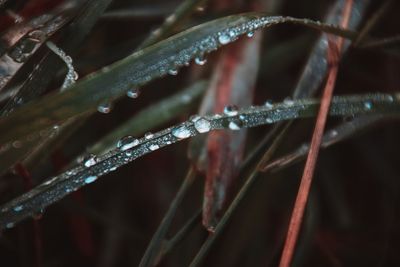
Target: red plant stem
[(37, 230), (305, 185)]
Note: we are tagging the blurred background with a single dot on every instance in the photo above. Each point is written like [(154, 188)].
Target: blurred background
[(353, 211)]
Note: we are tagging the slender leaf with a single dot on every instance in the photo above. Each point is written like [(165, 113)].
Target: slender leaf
[(59, 186), (154, 248), (233, 83), (49, 64), (138, 69), (152, 116)]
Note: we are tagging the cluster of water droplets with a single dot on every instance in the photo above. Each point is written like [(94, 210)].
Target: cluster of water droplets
[(195, 51), (72, 75), (211, 43)]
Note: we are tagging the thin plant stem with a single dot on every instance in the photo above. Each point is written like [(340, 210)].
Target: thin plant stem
[(306, 180)]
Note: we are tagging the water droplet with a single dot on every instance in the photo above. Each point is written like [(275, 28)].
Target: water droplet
[(67, 59), (269, 120), (194, 118), (76, 76), (250, 34), (217, 116), (17, 208), (90, 179), (148, 135), (153, 147), (200, 60), (200, 8), (127, 142), (104, 108), (288, 101), (181, 132), (231, 110), (173, 72), (211, 229), (17, 144), (224, 38), (113, 168), (171, 19), (202, 125), (368, 105), (9, 225), (235, 125), (89, 160), (333, 133), (133, 93)]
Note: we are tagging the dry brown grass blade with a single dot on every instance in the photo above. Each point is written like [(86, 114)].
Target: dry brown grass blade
[(233, 83), (305, 185)]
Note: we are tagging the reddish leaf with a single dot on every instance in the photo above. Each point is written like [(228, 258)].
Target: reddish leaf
[(232, 84)]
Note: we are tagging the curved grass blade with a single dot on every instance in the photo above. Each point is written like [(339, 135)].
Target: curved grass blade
[(145, 120), (60, 186), (140, 68), (152, 116), (49, 64), (18, 49)]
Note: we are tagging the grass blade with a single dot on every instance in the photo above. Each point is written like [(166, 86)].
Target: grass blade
[(47, 67), (152, 116), (232, 207), (138, 69), (308, 174), (152, 254), (60, 186), (333, 136), (233, 83)]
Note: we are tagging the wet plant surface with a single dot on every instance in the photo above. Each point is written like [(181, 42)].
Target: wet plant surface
[(176, 133)]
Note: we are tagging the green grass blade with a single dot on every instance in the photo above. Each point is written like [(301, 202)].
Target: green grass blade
[(60, 186), (138, 69)]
